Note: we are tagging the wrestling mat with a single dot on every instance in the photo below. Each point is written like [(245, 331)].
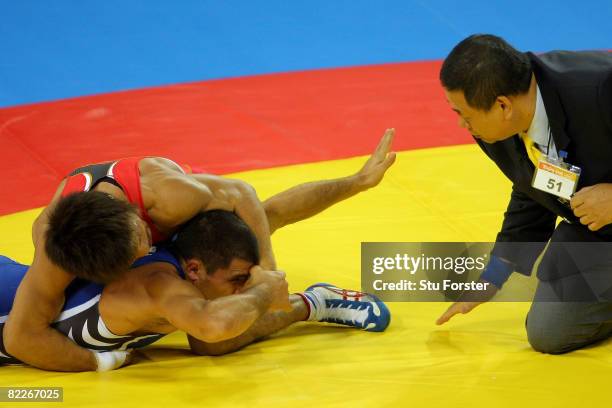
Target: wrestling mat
[(476, 360)]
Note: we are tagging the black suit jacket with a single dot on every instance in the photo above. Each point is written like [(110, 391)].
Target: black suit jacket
[(576, 88)]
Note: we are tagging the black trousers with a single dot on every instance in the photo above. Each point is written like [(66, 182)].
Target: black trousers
[(572, 306)]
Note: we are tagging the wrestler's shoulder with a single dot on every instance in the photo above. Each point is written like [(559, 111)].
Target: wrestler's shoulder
[(157, 270), (155, 164), (159, 277)]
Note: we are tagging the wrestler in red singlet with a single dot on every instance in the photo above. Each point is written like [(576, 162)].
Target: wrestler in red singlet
[(123, 173)]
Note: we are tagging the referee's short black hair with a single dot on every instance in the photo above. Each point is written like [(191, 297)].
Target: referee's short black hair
[(483, 67)]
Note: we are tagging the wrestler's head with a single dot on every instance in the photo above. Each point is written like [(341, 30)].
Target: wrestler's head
[(95, 236), (484, 78), (217, 250)]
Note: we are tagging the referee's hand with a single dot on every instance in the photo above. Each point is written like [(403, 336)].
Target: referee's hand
[(467, 302), (456, 308)]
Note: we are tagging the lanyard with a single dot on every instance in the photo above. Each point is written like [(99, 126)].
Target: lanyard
[(549, 140)]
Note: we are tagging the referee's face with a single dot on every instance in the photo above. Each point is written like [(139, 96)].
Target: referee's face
[(489, 126)]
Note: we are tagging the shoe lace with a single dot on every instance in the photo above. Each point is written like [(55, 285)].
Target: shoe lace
[(347, 312)]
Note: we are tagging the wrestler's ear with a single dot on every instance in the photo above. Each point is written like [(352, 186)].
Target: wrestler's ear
[(194, 270)]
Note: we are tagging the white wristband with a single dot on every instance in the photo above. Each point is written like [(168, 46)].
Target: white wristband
[(110, 360)]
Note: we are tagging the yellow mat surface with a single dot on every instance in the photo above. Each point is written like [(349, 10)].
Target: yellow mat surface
[(481, 359)]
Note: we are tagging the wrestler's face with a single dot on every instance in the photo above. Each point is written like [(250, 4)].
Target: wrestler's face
[(144, 239), (490, 126), (223, 281)]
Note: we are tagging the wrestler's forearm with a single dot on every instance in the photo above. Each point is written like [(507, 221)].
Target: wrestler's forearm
[(229, 316), (49, 350), (29, 337), (27, 332), (267, 324), (308, 199)]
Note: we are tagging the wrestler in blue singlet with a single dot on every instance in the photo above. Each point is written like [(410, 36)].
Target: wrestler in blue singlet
[(80, 318)]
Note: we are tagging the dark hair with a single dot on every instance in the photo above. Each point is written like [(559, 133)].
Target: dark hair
[(484, 67), (216, 237), (92, 236)]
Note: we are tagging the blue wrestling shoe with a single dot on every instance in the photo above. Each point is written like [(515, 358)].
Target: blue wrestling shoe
[(328, 303)]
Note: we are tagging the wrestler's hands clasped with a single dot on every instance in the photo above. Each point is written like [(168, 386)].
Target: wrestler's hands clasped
[(275, 282)]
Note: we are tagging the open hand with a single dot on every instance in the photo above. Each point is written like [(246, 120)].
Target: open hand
[(379, 162), (467, 302), (456, 308)]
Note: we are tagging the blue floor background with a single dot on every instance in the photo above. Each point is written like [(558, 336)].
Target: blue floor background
[(58, 49)]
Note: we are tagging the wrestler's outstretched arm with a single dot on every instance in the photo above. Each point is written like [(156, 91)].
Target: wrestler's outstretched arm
[(306, 200), (38, 301)]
